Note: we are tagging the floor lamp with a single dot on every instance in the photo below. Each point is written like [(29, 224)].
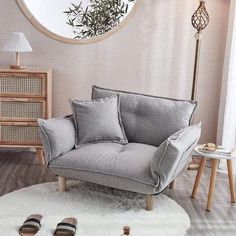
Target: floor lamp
[(200, 20)]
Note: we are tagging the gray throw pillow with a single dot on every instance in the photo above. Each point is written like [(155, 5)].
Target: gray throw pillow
[(98, 121), (173, 154), (58, 136)]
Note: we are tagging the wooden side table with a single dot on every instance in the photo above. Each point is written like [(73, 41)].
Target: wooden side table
[(214, 162)]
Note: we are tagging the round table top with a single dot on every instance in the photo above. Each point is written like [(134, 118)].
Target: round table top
[(198, 152)]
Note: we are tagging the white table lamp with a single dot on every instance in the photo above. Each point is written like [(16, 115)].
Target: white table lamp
[(17, 43)]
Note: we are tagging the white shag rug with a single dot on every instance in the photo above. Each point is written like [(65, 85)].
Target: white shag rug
[(100, 211)]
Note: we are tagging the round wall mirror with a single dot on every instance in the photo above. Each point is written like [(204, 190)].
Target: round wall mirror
[(78, 21)]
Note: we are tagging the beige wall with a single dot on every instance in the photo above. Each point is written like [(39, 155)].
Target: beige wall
[(153, 54)]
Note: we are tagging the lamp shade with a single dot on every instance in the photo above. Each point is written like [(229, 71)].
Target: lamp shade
[(17, 43)]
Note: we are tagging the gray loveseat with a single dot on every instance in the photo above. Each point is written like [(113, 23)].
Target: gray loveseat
[(160, 145)]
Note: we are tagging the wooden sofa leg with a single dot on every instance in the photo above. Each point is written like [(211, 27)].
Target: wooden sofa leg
[(62, 183), (172, 184), (149, 202), (40, 156)]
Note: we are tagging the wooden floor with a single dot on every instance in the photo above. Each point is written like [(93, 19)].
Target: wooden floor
[(18, 170)]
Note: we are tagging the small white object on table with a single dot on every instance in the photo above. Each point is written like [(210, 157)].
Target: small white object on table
[(214, 157)]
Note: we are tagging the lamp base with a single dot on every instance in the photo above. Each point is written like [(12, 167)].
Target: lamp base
[(16, 67)]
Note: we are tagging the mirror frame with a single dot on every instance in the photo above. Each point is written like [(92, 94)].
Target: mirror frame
[(60, 38)]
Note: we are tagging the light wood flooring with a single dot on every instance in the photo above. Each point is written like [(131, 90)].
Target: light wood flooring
[(20, 169)]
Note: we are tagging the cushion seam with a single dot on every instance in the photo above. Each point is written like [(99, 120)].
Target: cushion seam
[(48, 141), (163, 154), (182, 133), (103, 172), (182, 156), (76, 126), (145, 95), (120, 120)]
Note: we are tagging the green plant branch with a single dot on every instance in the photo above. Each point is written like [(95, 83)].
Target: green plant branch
[(99, 17)]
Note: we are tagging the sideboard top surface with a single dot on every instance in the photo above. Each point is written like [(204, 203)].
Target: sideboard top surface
[(27, 70)]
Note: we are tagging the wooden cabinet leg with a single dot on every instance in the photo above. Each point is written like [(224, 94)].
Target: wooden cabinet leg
[(149, 202), (212, 183), (231, 180), (62, 183), (172, 184), (40, 156), (198, 177)]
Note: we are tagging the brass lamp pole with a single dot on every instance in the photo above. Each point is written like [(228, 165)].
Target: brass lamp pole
[(200, 20)]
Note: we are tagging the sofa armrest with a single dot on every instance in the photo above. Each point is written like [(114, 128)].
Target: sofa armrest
[(57, 135), (173, 155)]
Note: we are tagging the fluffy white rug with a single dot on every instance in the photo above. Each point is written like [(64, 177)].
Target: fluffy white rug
[(100, 211)]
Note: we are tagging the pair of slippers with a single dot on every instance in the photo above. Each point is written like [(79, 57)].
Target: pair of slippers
[(32, 225)]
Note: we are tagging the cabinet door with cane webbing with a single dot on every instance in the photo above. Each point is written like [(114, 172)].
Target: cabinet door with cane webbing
[(25, 96)]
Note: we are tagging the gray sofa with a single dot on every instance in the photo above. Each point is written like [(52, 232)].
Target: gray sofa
[(160, 137)]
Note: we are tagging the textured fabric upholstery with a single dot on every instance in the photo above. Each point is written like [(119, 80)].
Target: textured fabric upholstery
[(106, 180), (160, 144), (148, 119), (131, 161), (98, 121), (57, 135), (173, 155)]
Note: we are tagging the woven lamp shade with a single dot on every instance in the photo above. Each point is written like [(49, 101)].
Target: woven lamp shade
[(17, 43)]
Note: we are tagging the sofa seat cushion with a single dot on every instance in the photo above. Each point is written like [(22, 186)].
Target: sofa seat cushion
[(130, 161)]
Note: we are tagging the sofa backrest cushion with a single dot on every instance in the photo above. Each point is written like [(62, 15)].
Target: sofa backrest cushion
[(149, 119)]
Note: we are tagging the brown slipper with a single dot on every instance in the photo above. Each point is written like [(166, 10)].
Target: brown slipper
[(66, 227), (31, 226)]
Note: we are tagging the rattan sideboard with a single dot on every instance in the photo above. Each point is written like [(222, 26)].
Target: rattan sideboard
[(25, 96)]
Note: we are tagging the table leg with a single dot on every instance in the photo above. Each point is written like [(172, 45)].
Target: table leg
[(198, 177), (231, 180), (212, 183)]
